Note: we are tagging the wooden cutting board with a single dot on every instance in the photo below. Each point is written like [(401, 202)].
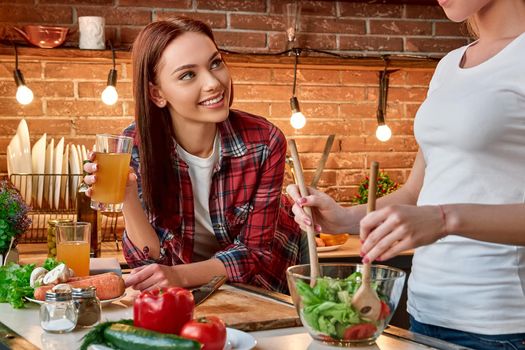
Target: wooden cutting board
[(247, 311)]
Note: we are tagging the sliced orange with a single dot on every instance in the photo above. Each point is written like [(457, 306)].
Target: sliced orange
[(334, 239)]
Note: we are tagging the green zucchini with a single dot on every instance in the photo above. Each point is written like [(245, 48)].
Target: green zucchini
[(125, 337)]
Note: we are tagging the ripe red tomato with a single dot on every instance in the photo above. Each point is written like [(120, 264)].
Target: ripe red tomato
[(385, 310), (360, 331), (209, 331)]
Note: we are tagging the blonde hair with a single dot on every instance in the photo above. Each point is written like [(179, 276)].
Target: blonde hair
[(472, 27)]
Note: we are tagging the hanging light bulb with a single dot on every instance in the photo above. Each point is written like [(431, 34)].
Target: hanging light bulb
[(298, 120), (110, 95), (24, 95), (383, 132)]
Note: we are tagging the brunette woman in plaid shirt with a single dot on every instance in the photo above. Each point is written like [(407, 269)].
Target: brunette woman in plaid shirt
[(206, 198)]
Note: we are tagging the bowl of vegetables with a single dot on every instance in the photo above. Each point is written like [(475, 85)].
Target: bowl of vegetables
[(325, 307)]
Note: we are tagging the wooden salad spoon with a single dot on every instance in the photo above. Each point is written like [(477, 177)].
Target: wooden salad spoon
[(365, 299), (310, 233)]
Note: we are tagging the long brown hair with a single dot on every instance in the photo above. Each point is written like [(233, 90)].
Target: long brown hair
[(155, 130)]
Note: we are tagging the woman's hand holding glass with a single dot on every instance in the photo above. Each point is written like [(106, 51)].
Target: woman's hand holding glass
[(90, 167)]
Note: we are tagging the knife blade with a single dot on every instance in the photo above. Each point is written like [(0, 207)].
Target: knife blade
[(203, 292)]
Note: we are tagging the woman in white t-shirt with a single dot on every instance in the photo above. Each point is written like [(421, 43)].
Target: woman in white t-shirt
[(462, 206)]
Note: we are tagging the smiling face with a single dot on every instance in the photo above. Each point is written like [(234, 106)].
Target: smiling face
[(460, 10), (192, 81)]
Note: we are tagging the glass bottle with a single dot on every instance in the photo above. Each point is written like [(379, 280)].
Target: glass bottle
[(88, 306), (58, 313), (52, 237)]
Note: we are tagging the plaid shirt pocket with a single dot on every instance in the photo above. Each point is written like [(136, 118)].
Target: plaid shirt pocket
[(238, 215)]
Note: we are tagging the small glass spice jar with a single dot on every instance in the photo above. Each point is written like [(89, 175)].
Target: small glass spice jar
[(87, 305), (58, 313), (52, 237)]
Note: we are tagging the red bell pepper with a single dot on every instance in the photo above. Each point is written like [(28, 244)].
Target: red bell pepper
[(163, 310)]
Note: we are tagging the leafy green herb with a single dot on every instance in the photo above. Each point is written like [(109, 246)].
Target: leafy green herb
[(96, 335), (14, 284), (13, 215), (51, 263)]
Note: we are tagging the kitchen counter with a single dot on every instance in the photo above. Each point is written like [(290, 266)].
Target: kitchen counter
[(25, 322)]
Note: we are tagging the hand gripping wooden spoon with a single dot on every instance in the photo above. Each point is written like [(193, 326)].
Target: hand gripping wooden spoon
[(310, 233), (365, 300)]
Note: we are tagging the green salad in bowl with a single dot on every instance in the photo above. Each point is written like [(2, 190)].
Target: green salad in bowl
[(326, 308)]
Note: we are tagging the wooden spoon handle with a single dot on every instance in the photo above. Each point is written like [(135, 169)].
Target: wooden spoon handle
[(371, 206), (310, 233)]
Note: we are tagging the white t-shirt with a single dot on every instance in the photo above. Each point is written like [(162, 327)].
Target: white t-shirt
[(471, 131), (201, 171)]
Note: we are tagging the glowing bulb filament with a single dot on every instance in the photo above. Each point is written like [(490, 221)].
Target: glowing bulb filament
[(24, 95), (109, 95), (383, 133)]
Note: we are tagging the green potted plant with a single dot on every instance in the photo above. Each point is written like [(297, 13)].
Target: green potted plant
[(14, 220), (385, 185)]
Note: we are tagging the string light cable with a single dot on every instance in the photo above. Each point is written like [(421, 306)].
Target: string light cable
[(24, 95), (110, 95)]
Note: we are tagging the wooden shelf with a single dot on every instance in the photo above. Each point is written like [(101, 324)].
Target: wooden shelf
[(237, 60)]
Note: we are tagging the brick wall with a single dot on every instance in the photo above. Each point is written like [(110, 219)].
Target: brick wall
[(363, 27), (341, 100)]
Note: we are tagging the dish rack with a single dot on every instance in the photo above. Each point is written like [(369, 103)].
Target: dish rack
[(42, 208)]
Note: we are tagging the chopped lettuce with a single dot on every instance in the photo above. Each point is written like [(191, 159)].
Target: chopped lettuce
[(327, 307)]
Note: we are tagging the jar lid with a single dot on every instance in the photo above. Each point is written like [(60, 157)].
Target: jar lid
[(89, 292), (54, 222), (62, 295)]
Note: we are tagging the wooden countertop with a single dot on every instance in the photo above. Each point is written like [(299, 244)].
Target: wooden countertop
[(350, 249), (37, 252)]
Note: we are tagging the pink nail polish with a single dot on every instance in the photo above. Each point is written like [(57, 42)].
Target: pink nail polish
[(361, 254), (362, 241), (366, 260)]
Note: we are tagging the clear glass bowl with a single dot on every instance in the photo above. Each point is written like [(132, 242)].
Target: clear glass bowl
[(325, 309)]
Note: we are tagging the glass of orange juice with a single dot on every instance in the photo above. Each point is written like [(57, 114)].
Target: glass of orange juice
[(112, 156), (73, 246)]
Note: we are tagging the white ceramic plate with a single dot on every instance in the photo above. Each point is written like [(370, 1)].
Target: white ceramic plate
[(38, 154), (80, 159), (73, 169), (59, 154), (239, 340), (48, 169), (84, 153), (102, 302), (64, 185), (14, 154), (25, 162), (329, 248)]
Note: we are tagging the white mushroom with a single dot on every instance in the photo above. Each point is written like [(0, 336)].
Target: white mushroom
[(57, 275), (37, 275), (62, 287)]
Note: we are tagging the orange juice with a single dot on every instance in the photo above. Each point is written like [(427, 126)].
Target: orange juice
[(111, 177), (75, 254)]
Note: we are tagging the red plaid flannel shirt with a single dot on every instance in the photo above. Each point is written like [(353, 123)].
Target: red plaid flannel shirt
[(259, 240)]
